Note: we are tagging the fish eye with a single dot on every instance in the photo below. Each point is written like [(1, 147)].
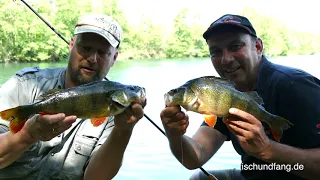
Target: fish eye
[(173, 91)]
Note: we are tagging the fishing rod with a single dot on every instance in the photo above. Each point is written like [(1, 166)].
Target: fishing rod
[(54, 30)]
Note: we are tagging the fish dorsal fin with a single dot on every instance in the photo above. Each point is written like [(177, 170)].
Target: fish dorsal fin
[(48, 93), (255, 96), (220, 80)]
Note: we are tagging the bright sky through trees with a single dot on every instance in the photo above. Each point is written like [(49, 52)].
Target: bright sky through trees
[(299, 15)]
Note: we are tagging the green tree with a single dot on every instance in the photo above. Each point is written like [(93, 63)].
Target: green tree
[(24, 37)]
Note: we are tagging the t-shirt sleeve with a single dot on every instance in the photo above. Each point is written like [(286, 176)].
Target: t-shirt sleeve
[(221, 127)]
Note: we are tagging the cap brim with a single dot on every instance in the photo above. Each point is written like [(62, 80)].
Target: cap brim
[(92, 29), (219, 27)]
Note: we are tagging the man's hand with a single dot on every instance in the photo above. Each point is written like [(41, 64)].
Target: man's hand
[(249, 131), (112, 150), (175, 122), (126, 120), (46, 127)]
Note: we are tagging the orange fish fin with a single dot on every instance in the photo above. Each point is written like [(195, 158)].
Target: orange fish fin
[(210, 120), (275, 135), (9, 114), (16, 125), (17, 117), (277, 125), (98, 121)]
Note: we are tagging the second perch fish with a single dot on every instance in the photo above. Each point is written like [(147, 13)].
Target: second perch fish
[(96, 100), (214, 96)]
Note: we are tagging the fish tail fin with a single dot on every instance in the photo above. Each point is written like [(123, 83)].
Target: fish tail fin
[(98, 121), (277, 125), (17, 117), (210, 120)]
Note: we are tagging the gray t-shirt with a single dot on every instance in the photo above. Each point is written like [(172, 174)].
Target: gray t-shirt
[(63, 157)]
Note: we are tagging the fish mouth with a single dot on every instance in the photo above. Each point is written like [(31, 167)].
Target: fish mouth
[(142, 93), (168, 99), (168, 96)]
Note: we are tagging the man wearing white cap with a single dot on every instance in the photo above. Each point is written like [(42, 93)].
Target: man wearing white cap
[(74, 149)]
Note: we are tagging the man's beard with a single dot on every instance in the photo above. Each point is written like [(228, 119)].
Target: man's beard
[(78, 79)]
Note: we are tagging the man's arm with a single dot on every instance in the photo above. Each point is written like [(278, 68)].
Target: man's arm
[(196, 150), (255, 142), (300, 104), (297, 101), (12, 146), (106, 161), (37, 128), (308, 159)]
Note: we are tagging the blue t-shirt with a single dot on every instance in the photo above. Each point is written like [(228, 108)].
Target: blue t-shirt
[(292, 94)]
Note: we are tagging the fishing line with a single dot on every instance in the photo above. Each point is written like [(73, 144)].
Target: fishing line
[(204, 171)]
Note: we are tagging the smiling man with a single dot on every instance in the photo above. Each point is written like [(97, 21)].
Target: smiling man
[(66, 147), (237, 54)]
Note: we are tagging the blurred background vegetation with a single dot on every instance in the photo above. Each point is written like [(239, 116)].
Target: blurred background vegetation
[(25, 38)]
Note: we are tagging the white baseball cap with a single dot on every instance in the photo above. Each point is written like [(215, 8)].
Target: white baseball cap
[(101, 24)]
